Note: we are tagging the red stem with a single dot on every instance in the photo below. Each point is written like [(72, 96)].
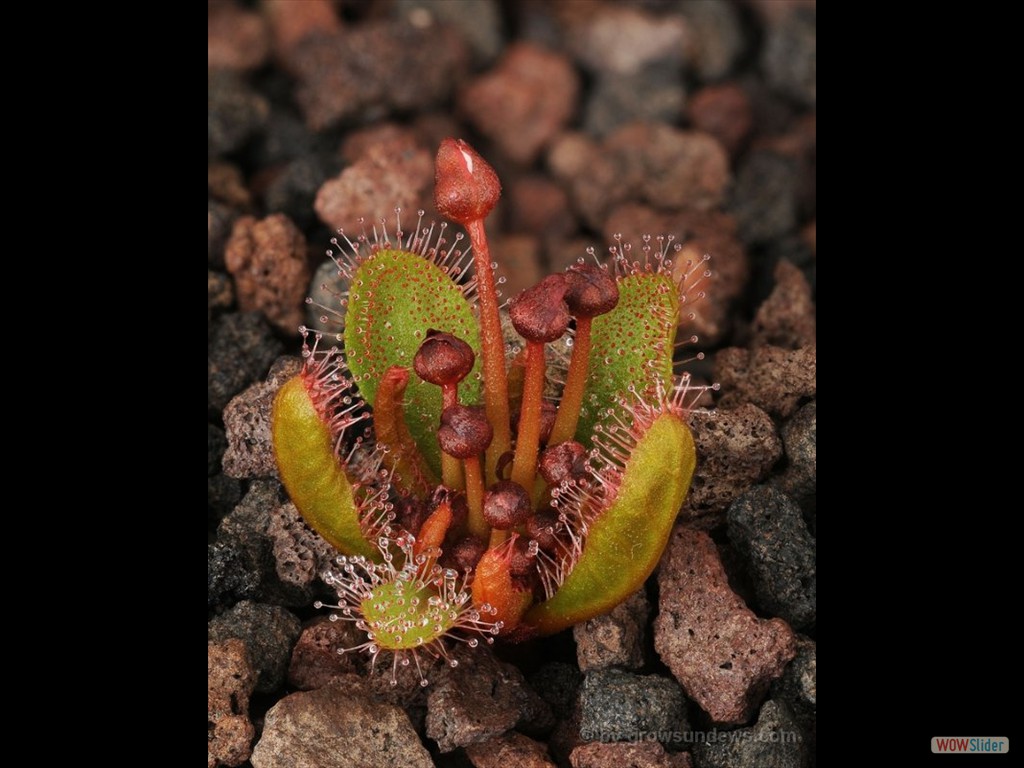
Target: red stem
[(575, 385), (524, 466), (493, 346)]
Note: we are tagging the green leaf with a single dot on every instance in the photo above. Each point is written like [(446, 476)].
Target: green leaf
[(395, 297), (627, 539), (311, 473), (629, 346)]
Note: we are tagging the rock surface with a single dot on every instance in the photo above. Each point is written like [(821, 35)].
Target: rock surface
[(786, 318), (775, 741), (338, 726), (512, 750), (735, 449), (247, 422), (722, 654), (768, 531), (524, 102), (775, 379), (620, 706), (615, 639), (240, 351), (480, 698), (268, 631), (230, 681), (647, 754), (268, 261)]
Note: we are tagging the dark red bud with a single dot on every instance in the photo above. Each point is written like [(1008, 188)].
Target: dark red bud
[(467, 553), (592, 290), (506, 505), (522, 562), (562, 461), (539, 313), (411, 513), (466, 188), (541, 528), (443, 358), (464, 431)]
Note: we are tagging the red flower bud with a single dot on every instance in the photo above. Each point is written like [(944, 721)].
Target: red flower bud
[(506, 505), (562, 461), (467, 553), (592, 290), (464, 431), (541, 528), (443, 358), (540, 313), (466, 188)]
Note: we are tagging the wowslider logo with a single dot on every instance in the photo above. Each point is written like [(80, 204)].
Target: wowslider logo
[(970, 744)]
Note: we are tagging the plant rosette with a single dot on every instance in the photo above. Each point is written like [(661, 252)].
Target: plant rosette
[(464, 504)]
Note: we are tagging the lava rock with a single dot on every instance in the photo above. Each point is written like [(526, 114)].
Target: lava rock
[(223, 492), (241, 350), (557, 683), (625, 41), (512, 750), (274, 546), (620, 706), (772, 378), (230, 681), (376, 68), (681, 169), (615, 639), (290, 23), (247, 420), (716, 39), (286, 138), (724, 112), (293, 191), (699, 233), (234, 112), (224, 182), (789, 56), (774, 742), (524, 102), (478, 21), (268, 631), (735, 449), (519, 260), (480, 698), (235, 38), (645, 754), (642, 161), (268, 261), (230, 575), (338, 725), (637, 58), (539, 207), (798, 687), (383, 179), (799, 479), (722, 654), (220, 219), (316, 660), (786, 318), (768, 531), (219, 293), (764, 198), (655, 93), (215, 445)]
